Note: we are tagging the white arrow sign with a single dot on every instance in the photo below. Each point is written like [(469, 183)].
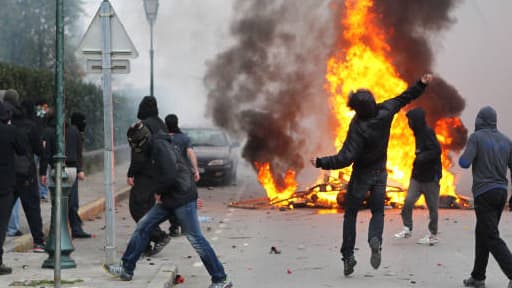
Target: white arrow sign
[(91, 44)]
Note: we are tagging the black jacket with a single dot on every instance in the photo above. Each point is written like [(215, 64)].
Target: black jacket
[(73, 147), (175, 179), (9, 145), (427, 164), (29, 135), (367, 138)]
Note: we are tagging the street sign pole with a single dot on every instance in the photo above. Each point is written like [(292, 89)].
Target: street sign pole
[(107, 47), (108, 128)]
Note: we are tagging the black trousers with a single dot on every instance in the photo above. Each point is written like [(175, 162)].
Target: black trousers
[(6, 198), (27, 189), (359, 185), (73, 204), (141, 201), (488, 208)]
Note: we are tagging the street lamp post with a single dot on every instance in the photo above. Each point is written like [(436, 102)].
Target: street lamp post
[(151, 8)]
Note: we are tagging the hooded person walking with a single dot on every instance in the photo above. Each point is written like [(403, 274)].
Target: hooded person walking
[(426, 173), (489, 153), (142, 174)]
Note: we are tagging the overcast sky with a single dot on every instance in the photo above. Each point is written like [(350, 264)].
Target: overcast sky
[(474, 55)]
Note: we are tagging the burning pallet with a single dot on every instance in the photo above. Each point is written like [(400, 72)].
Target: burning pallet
[(332, 194)]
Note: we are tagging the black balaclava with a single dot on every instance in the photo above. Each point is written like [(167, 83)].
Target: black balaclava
[(78, 119)]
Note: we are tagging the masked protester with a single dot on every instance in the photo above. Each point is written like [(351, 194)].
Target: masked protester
[(426, 173), (366, 148), (73, 149), (177, 195), (9, 146), (185, 145), (26, 169), (489, 153), (142, 175)]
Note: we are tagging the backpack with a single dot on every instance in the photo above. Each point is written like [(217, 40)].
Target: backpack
[(24, 164), (184, 173)]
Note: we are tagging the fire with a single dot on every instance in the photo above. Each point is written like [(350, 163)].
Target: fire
[(276, 192), (365, 63)]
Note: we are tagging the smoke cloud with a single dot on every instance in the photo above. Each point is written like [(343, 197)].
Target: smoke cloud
[(269, 85), (412, 25)]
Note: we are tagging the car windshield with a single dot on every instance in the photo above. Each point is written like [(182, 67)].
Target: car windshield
[(207, 137)]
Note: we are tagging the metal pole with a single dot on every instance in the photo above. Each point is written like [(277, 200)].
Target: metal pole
[(151, 55), (59, 157), (106, 14)]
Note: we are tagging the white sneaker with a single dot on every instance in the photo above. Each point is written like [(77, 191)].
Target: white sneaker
[(429, 239), (404, 234)]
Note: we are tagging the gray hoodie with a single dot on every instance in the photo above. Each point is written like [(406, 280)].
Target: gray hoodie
[(489, 152)]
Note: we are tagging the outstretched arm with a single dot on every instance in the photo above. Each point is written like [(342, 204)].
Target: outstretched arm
[(351, 150), (395, 104)]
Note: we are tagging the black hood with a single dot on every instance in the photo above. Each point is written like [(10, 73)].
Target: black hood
[(171, 121), (78, 119), (147, 108), (363, 102), (417, 120), (486, 118), (13, 110)]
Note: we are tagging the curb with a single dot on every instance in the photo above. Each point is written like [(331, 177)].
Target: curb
[(87, 211), (165, 277)]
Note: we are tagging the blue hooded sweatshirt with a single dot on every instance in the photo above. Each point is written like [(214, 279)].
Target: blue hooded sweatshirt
[(489, 152)]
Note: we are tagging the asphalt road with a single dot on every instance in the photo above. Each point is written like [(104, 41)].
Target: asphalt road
[(308, 239), (309, 242)]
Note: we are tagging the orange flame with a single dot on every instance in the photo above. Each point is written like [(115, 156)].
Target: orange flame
[(275, 192), (366, 63)]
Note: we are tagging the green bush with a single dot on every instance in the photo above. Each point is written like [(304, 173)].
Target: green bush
[(80, 96)]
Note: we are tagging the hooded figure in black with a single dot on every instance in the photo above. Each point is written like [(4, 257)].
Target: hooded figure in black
[(366, 147), (426, 173), (142, 174), (9, 146), (27, 187)]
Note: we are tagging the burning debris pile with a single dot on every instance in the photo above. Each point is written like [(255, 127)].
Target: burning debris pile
[(284, 85), (331, 193)]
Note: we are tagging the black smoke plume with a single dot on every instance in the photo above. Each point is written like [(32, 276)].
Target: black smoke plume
[(268, 87), (411, 26)]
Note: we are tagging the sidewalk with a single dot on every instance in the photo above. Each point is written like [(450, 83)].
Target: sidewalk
[(89, 254)]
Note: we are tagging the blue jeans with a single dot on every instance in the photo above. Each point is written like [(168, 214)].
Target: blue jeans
[(43, 189), (360, 183), (14, 221), (73, 204), (187, 217)]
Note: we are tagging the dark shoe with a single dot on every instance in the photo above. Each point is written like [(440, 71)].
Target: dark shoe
[(472, 282), (81, 234), (38, 248), (375, 258), (117, 270), (16, 234), (4, 270), (348, 265), (174, 231), (159, 246)]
